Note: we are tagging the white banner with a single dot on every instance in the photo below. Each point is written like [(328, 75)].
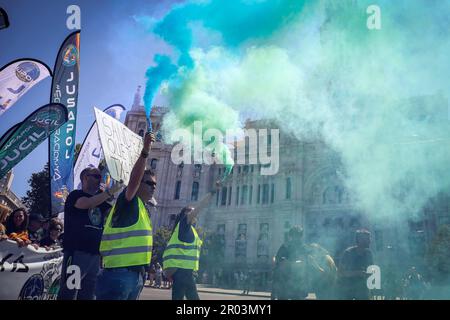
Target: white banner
[(121, 146), (17, 78), (91, 150), (27, 273)]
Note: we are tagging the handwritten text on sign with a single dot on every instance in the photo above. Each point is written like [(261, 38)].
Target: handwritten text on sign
[(121, 146)]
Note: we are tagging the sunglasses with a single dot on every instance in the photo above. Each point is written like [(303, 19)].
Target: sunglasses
[(96, 176), (150, 183)]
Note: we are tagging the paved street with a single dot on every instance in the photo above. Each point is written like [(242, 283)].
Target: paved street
[(149, 293)]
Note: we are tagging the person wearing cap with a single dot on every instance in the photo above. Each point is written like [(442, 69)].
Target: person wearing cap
[(35, 228)]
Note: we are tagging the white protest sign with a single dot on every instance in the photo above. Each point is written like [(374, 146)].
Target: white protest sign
[(27, 273), (121, 146)]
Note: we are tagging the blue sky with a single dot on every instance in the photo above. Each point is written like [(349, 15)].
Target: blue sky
[(115, 53)]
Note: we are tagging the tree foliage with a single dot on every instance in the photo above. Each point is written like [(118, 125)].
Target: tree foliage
[(212, 254), (37, 199), (160, 240)]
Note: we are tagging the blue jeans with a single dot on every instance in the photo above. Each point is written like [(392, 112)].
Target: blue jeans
[(89, 265), (119, 284)]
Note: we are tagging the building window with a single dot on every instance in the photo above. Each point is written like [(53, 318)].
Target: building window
[(250, 196), (237, 196), (288, 188), (252, 167), (272, 193), (224, 196), (141, 132), (217, 199), (180, 170), (194, 194), (244, 195), (269, 145), (246, 169), (265, 194), (239, 169), (153, 164), (220, 171), (258, 197), (177, 190), (197, 170), (229, 195)]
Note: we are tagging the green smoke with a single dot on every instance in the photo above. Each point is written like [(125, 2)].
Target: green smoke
[(377, 97)]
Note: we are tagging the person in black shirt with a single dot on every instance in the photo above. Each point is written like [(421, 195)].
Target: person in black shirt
[(84, 214), (183, 279), (289, 255), (353, 268)]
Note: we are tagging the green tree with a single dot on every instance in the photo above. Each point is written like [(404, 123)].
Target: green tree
[(160, 240), (77, 152), (212, 254), (37, 199)]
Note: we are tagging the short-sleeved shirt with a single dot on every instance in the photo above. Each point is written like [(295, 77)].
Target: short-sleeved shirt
[(355, 260), (83, 228), (126, 213)]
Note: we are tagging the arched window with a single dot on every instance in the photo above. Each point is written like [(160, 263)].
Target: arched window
[(153, 164), (224, 196), (244, 195), (272, 193), (194, 194)]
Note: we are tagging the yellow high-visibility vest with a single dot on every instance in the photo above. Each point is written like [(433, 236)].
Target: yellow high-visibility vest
[(185, 255), (128, 246)]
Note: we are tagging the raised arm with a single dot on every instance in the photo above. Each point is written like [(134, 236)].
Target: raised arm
[(139, 167), (199, 205), (92, 202)]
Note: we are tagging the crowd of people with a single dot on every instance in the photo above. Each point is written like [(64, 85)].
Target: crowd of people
[(157, 278), (30, 228), (110, 240), (301, 268)]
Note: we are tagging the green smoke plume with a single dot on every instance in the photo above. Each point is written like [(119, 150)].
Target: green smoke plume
[(377, 97)]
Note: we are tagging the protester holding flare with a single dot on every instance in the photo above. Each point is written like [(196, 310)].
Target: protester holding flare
[(126, 245), (182, 254)]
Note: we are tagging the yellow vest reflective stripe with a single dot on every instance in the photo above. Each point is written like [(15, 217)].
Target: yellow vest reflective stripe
[(127, 246), (185, 255)]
